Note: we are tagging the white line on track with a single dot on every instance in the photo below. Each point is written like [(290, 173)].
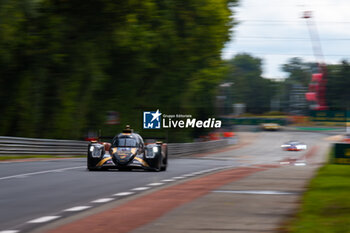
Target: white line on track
[(187, 175), (77, 208), (43, 219), (198, 173), (178, 177), (168, 180), (123, 194), (102, 200), (41, 172), (140, 188), (9, 231), (193, 174), (155, 184)]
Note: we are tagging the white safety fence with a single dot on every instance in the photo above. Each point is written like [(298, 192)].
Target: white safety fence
[(35, 146)]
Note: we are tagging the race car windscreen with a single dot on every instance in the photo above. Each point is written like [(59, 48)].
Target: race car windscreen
[(125, 142)]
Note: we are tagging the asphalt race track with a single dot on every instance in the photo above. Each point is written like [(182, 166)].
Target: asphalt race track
[(35, 193)]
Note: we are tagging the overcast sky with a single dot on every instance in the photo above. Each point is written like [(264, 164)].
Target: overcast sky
[(275, 31)]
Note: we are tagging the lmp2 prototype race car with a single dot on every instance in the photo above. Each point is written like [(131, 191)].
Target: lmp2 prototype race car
[(126, 152)]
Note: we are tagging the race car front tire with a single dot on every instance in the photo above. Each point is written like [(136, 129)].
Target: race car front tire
[(91, 163)]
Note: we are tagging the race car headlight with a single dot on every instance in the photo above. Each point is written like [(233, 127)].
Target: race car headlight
[(151, 151), (96, 153), (155, 149), (96, 150)]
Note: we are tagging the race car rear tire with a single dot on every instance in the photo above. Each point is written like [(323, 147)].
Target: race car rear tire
[(158, 165), (154, 158), (163, 168), (164, 162)]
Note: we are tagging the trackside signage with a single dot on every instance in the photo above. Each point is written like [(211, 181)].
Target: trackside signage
[(341, 153), (157, 120)]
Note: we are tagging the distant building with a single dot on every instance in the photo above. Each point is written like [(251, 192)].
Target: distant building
[(297, 102)]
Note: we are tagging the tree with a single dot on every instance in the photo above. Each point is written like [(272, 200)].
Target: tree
[(249, 86), (299, 72), (338, 86), (64, 64)]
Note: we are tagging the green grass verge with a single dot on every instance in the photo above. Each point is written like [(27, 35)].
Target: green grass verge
[(12, 157), (326, 205)]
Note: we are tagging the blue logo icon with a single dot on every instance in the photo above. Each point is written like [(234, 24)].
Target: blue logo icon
[(151, 120)]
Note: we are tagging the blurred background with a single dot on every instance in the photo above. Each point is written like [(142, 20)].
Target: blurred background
[(72, 69)]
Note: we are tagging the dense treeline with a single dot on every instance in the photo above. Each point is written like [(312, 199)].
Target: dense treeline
[(248, 85), (64, 64), (338, 86)]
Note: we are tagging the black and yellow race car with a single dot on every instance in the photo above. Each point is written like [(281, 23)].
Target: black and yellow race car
[(127, 151), (270, 126)]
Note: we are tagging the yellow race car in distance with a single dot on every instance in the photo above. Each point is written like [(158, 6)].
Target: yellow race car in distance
[(270, 126)]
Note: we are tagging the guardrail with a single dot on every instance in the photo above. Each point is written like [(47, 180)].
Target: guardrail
[(35, 146)]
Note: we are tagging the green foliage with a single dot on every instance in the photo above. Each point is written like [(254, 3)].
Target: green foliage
[(299, 71), (249, 87), (326, 204), (64, 64), (338, 86)]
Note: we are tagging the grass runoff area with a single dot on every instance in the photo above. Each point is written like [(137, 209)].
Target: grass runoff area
[(13, 157), (326, 204)]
